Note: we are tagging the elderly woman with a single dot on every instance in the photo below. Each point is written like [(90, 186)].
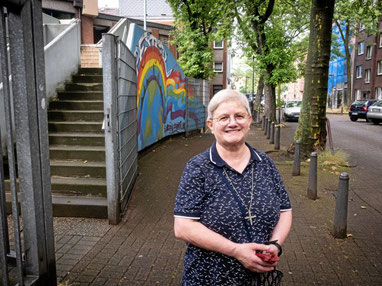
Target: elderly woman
[(231, 203)]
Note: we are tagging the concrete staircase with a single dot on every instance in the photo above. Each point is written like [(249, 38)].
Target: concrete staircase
[(77, 147)]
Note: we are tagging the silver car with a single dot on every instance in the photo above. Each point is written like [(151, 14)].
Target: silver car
[(374, 113), (292, 110)]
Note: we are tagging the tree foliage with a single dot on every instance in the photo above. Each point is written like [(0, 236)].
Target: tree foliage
[(274, 32), (199, 23), (349, 15)]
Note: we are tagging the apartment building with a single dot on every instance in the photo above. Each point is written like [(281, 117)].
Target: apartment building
[(368, 65)]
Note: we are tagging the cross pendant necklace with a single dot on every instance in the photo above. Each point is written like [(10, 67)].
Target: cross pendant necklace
[(250, 216)]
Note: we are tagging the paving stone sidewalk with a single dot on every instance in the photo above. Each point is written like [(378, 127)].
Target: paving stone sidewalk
[(142, 250)]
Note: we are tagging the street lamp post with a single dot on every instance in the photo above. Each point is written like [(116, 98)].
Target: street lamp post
[(246, 84), (144, 13)]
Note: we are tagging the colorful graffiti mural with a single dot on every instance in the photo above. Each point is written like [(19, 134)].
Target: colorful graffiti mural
[(161, 88)]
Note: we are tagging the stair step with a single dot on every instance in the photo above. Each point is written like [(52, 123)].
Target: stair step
[(87, 78), (77, 138), (73, 206), (79, 186), (79, 206), (88, 71), (89, 65), (84, 86), (77, 168), (80, 95), (74, 186), (75, 115), (75, 152), (75, 126), (76, 105)]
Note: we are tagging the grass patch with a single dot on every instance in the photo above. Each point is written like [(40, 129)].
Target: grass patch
[(335, 163)]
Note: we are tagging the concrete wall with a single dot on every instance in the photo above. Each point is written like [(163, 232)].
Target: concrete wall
[(62, 58), (51, 31)]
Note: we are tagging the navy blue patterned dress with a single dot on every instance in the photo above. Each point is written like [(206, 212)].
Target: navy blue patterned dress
[(204, 195)]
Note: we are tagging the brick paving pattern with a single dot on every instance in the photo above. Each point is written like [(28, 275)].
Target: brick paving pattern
[(142, 250)]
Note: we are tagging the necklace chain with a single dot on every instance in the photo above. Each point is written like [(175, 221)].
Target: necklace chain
[(250, 216)]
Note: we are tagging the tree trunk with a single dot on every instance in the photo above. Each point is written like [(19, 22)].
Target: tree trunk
[(311, 129), (260, 91), (270, 102)]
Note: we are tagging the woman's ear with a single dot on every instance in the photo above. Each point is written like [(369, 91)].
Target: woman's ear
[(210, 124)]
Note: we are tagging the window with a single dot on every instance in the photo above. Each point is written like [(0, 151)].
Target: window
[(378, 93), (359, 71), (218, 45), (163, 39), (367, 75), (358, 94), (361, 27), (217, 88), (380, 40), (379, 68), (361, 48), (218, 67), (369, 50)]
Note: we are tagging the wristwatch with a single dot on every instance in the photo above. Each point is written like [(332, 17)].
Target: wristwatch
[(274, 242)]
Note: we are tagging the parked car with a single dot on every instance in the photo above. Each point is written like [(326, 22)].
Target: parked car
[(292, 110), (359, 108), (375, 112)]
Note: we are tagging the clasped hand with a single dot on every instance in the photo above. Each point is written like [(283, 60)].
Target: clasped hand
[(246, 254)]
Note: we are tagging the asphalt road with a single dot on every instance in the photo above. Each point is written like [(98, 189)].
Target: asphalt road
[(362, 141)]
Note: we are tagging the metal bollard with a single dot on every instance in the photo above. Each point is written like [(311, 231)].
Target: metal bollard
[(341, 212), (266, 126), (312, 180), (272, 137), (263, 123), (269, 129), (297, 159), (277, 138)]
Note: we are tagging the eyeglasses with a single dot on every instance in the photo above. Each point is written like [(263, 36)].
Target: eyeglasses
[(240, 118)]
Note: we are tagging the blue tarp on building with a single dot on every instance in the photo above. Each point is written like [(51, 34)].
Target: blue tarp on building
[(337, 70)]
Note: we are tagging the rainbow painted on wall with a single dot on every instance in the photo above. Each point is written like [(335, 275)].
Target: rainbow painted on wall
[(161, 88)]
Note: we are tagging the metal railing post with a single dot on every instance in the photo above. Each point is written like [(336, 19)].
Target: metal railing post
[(110, 92), (312, 180), (296, 159), (187, 109), (340, 215), (277, 138), (31, 125)]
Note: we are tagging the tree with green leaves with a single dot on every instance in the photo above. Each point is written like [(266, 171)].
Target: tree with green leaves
[(348, 16), (311, 128), (199, 23), (273, 30)]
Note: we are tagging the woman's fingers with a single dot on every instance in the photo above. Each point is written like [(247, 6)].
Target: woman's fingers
[(246, 254)]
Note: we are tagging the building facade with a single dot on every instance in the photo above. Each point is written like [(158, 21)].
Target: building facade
[(338, 80), (367, 79), (159, 11)]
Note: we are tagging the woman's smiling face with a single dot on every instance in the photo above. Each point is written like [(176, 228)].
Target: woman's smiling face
[(230, 123)]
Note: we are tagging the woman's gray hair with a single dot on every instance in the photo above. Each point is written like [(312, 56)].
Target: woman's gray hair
[(226, 95)]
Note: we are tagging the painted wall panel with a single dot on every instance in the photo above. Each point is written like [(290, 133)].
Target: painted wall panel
[(161, 88)]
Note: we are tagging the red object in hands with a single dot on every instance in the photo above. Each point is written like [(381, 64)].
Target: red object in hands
[(268, 257)]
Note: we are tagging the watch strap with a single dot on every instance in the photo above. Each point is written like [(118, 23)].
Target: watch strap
[(274, 242)]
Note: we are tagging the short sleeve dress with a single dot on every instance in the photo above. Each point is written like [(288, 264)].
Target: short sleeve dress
[(204, 195)]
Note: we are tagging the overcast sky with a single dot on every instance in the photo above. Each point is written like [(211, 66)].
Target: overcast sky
[(108, 3)]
